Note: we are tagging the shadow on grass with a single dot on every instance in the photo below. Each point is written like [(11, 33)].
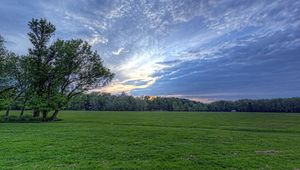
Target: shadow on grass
[(262, 130), (25, 119)]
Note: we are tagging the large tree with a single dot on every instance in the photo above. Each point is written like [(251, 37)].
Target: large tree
[(60, 71), (76, 69), (51, 74), (40, 64)]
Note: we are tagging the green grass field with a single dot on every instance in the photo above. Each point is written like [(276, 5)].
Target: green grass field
[(154, 140)]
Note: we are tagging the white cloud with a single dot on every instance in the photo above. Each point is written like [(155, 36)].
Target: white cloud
[(97, 39), (118, 51), (119, 10), (119, 87), (142, 28)]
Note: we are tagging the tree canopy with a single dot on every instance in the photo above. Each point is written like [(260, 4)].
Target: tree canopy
[(51, 74)]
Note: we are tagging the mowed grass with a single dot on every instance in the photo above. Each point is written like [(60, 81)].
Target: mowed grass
[(153, 140)]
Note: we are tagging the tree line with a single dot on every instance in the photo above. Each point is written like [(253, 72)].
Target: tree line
[(123, 102), (50, 75)]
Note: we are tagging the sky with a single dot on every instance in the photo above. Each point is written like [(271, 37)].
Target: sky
[(201, 50)]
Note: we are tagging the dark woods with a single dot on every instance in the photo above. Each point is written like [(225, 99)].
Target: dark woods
[(108, 102), (50, 75)]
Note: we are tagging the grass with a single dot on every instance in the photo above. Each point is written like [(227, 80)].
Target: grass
[(153, 140)]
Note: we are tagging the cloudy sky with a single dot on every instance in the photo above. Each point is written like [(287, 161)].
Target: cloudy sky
[(201, 50)]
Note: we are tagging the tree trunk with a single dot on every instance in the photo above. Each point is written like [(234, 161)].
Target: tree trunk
[(23, 108), (22, 111), (36, 113), (54, 115), (44, 115), (7, 113)]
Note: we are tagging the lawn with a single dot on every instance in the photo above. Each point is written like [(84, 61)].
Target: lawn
[(153, 140)]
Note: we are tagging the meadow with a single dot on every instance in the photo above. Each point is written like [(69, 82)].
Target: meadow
[(154, 140)]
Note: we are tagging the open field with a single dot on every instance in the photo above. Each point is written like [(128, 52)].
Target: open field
[(154, 140)]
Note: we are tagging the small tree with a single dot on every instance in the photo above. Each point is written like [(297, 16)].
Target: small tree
[(4, 80), (9, 84), (15, 80)]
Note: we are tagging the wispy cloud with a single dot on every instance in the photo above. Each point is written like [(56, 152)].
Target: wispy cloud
[(118, 51), (178, 47)]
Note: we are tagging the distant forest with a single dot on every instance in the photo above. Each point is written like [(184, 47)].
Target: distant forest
[(123, 102)]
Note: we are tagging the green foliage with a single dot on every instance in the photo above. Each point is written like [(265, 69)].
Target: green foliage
[(154, 140), (77, 68), (3, 67), (51, 74), (41, 32), (262, 105), (10, 81), (108, 102), (105, 101)]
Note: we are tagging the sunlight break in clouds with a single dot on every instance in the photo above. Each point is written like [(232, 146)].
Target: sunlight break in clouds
[(140, 67)]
